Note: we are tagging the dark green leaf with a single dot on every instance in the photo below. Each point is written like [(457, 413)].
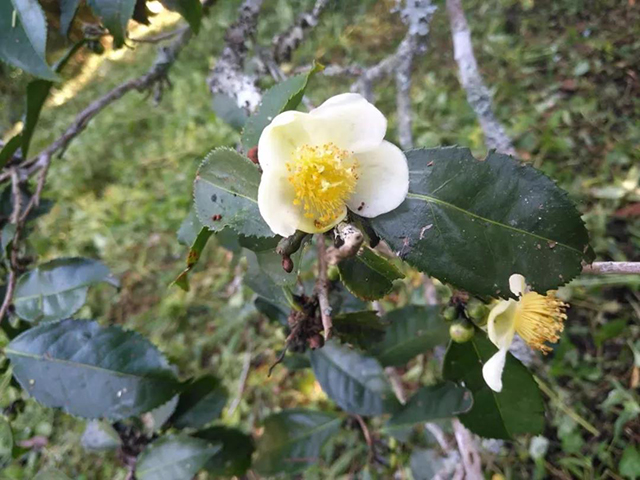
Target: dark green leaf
[(99, 436), (271, 311), (228, 110), (517, 409), (37, 92), (156, 418), (356, 383), (6, 238), (174, 458), (67, 12), (226, 193), (359, 328), (115, 15), (57, 289), (91, 371), (6, 441), (279, 98), (368, 275), (412, 330), (292, 440), (475, 223), (261, 283), (193, 257), (191, 10), (23, 37), (200, 402), (10, 147), (443, 400), (270, 262), (426, 464), (235, 457), (189, 229)]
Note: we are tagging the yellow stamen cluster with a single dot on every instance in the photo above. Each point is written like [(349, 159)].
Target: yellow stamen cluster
[(539, 319), (323, 179)]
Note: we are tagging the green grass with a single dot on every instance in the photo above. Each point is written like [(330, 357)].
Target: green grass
[(562, 73)]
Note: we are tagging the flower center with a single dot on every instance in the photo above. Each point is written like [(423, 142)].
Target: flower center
[(539, 319), (323, 179)]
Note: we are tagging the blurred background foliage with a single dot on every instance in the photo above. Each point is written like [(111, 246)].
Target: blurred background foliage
[(565, 80)]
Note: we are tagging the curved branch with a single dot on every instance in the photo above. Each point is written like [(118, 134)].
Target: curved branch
[(605, 268)]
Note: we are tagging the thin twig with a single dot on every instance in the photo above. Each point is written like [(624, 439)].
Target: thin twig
[(243, 379), (322, 289), (605, 268), (158, 72), (367, 436), (228, 76), (287, 42), (470, 456), (478, 95), (351, 239)]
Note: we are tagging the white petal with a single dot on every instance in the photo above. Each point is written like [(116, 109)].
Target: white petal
[(492, 370), (501, 325), (275, 201), (348, 121), (383, 181), (281, 138), (517, 284)]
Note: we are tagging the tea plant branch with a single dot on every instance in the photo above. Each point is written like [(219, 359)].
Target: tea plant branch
[(227, 76), (478, 95), (19, 174), (284, 44), (605, 268), (470, 456), (417, 14), (350, 239), (322, 289)]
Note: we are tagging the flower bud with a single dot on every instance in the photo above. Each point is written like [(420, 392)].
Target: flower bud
[(450, 313), (478, 311), (333, 273), (461, 331)]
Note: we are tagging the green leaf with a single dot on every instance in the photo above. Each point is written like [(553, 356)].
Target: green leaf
[(23, 37), (57, 289), (6, 441), (516, 410), (270, 262), (357, 383), (115, 15), (443, 400), (10, 147), (200, 402), (174, 458), (359, 328), (156, 418), (412, 330), (67, 12), (189, 228), (228, 110), (263, 284), (37, 93), (475, 223), (99, 436), (630, 462), (368, 275), (191, 11), (235, 457), (226, 194), (292, 440), (91, 371), (193, 257), (279, 98)]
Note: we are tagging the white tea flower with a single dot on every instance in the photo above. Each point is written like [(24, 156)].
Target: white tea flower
[(538, 319), (317, 165)]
